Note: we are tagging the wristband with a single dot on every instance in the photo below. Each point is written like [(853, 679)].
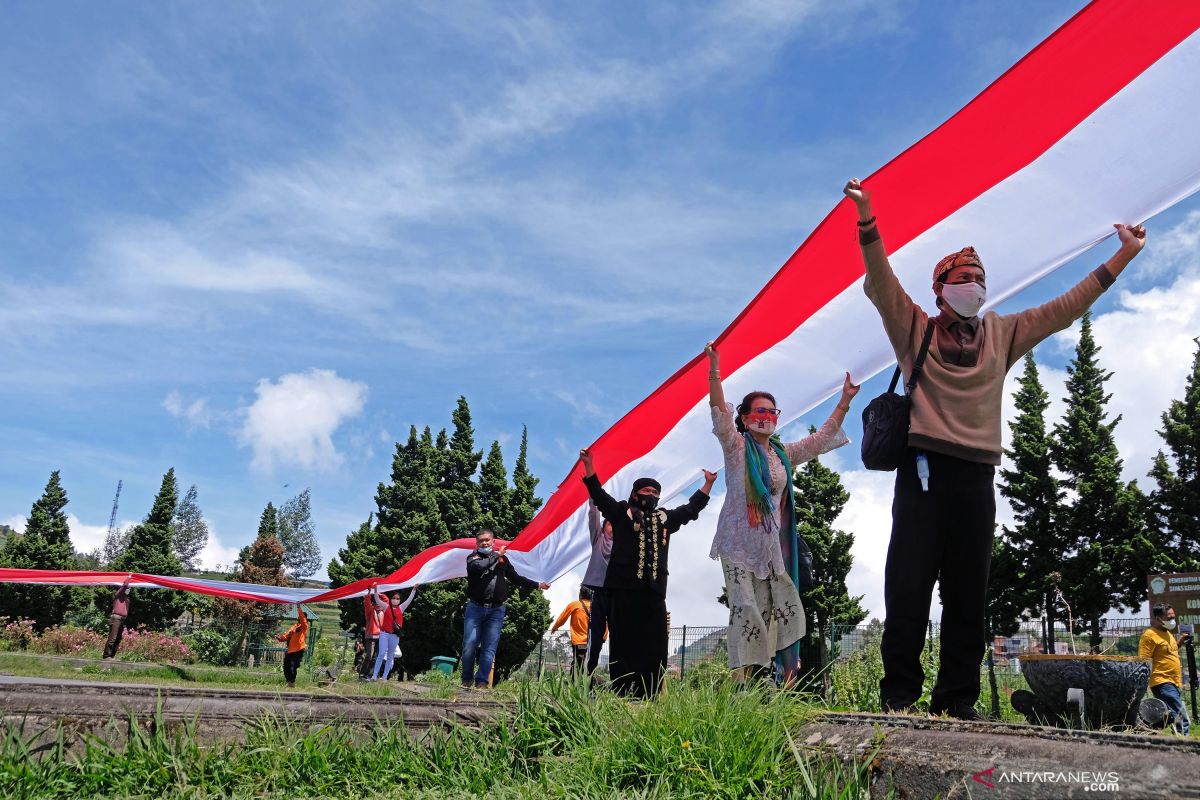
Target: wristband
[(865, 223)]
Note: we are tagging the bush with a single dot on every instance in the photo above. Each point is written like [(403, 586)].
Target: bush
[(211, 646), (142, 645), (324, 654), (67, 640), (16, 634)]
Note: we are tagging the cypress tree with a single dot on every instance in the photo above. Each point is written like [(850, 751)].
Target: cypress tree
[(189, 531), (151, 550), (1175, 502), (1019, 580), (523, 502), (494, 494), (301, 553), (528, 614), (46, 544), (820, 498), (459, 495), (426, 481), (1106, 520), (407, 521)]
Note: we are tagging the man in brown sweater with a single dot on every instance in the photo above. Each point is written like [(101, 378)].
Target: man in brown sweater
[(942, 531)]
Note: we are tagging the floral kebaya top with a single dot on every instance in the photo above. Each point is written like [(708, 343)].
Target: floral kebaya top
[(757, 549)]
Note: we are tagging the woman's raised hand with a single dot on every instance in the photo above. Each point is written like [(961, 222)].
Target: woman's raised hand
[(714, 358), (849, 389)]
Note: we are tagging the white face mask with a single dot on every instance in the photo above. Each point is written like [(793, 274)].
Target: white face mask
[(965, 298), (766, 426), (1169, 624)]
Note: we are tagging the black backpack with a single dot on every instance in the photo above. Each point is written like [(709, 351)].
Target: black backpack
[(885, 419)]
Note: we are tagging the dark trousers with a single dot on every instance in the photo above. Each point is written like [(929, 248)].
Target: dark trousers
[(942, 535), (116, 630), (291, 663), (597, 625), (578, 658), (370, 648), (637, 629)]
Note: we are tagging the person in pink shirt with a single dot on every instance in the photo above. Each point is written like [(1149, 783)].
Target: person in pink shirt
[(116, 619)]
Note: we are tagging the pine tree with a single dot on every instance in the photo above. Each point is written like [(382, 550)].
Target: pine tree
[(528, 613), (523, 502), (262, 563), (820, 498), (1175, 503), (494, 494), (301, 553), (189, 531), (46, 544), (151, 550), (459, 495), (407, 521), (1106, 519), (1019, 578), (115, 542)]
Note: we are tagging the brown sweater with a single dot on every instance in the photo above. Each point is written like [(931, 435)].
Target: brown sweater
[(956, 405)]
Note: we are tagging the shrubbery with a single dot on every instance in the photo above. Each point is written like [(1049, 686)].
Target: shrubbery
[(143, 645), (16, 634), (211, 646), (68, 641)]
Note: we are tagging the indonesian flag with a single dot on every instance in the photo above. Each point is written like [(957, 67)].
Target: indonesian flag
[(1096, 125)]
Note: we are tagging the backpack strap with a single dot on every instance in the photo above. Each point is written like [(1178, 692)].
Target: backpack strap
[(920, 362)]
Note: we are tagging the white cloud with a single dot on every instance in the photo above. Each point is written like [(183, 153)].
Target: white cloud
[(868, 515), (85, 538), (293, 421), (196, 413), (215, 554), (16, 522)]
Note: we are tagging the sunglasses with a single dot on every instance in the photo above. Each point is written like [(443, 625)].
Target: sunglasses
[(774, 412)]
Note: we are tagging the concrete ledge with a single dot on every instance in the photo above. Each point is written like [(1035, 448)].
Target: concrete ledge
[(105, 708), (924, 757)]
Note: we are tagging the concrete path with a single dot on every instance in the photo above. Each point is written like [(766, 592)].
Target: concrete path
[(926, 757)]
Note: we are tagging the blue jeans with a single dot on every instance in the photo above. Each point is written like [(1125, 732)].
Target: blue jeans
[(481, 629), (1169, 694), (385, 656)]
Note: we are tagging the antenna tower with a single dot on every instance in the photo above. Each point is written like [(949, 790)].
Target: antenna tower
[(112, 520)]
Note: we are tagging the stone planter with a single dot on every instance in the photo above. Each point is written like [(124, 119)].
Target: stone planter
[(1083, 691)]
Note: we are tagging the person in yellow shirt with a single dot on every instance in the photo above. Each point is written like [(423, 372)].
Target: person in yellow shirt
[(295, 637), (579, 612), (1158, 643)]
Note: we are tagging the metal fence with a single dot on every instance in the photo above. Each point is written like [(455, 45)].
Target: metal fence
[(687, 646)]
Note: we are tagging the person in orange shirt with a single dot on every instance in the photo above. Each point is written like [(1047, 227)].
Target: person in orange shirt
[(579, 612), (295, 637), (370, 637)]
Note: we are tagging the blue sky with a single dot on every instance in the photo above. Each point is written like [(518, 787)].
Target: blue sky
[(256, 242)]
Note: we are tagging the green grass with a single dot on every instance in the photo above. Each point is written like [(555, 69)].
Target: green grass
[(192, 675), (696, 741)]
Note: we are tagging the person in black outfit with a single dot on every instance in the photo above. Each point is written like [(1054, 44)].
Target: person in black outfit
[(636, 579), (488, 575)]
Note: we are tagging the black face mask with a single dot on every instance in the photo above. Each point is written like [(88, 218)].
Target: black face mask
[(646, 502)]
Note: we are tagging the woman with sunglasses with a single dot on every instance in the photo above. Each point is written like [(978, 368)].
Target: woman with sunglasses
[(756, 538)]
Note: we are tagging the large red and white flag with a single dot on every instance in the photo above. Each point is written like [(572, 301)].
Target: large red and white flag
[(1096, 125)]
